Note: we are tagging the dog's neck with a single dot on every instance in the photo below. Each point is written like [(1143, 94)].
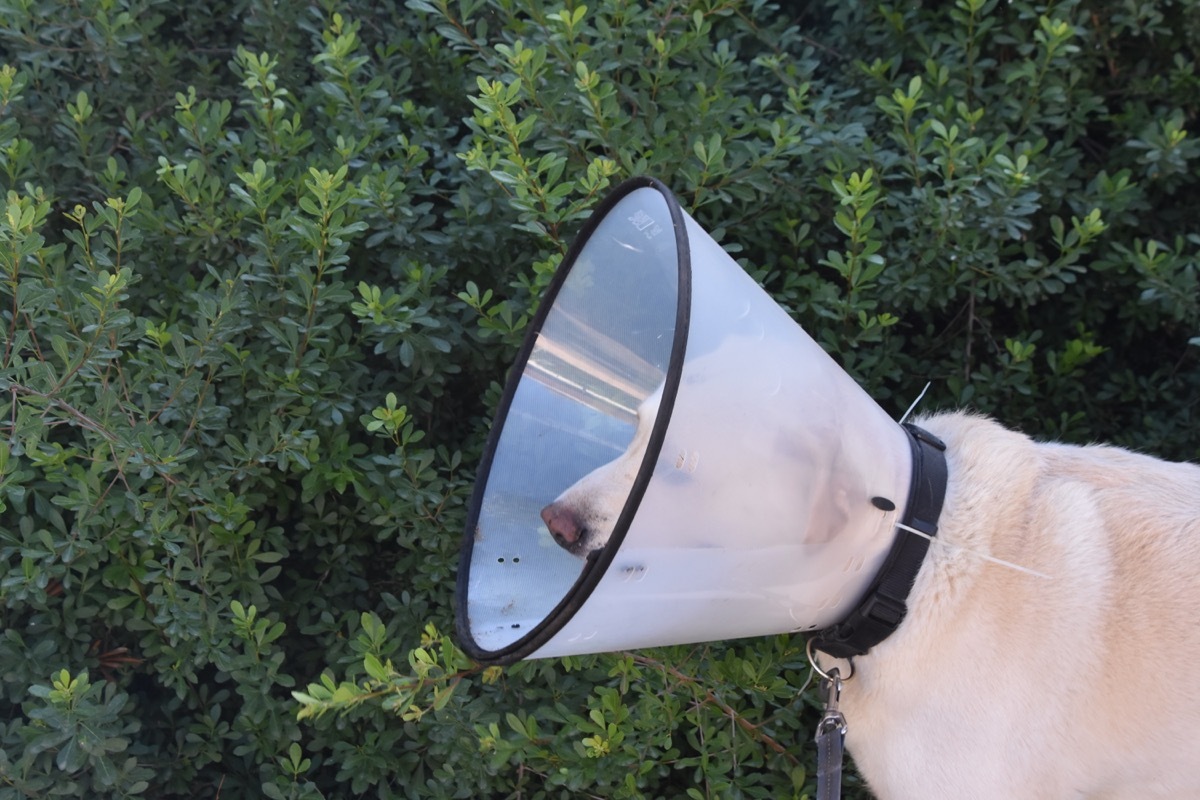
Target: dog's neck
[(884, 604)]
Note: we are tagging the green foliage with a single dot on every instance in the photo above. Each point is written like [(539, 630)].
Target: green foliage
[(76, 732), (263, 265)]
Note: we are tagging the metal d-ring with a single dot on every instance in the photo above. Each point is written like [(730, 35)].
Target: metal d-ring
[(808, 651)]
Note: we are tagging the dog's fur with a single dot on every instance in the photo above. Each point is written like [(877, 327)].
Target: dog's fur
[(1000, 684)]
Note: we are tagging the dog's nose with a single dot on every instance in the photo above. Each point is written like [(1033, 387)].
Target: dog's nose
[(561, 523)]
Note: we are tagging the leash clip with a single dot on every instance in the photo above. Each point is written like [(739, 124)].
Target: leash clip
[(833, 719)]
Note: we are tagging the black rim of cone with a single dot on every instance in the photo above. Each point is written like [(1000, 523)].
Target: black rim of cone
[(599, 560)]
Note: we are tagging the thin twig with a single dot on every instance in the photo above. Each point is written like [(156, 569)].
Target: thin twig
[(709, 698)]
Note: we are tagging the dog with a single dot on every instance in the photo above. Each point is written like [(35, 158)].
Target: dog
[(582, 518), (1051, 647)]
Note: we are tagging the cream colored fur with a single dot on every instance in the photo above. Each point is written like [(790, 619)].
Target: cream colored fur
[(1002, 685)]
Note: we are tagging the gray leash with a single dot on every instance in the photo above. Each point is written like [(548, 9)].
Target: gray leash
[(831, 737), (831, 730)]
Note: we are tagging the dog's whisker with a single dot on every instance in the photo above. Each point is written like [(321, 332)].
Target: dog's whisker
[(914, 403), (993, 559)]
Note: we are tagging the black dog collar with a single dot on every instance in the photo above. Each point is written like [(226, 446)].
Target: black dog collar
[(884, 605)]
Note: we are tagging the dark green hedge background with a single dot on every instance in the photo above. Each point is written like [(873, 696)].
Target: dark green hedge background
[(263, 266)]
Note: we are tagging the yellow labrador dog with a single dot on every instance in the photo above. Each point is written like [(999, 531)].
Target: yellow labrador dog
[(1000, 684)]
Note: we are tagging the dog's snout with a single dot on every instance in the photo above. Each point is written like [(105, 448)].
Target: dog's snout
[(562, 523)]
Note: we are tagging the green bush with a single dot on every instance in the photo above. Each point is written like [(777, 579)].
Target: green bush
[(263, 266)]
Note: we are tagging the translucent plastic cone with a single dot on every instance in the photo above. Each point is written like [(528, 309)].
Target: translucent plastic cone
[(674, 460)]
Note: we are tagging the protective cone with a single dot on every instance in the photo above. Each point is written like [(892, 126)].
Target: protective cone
[(674, 460)]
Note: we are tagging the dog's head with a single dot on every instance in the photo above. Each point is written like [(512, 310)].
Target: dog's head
[(583, 517)]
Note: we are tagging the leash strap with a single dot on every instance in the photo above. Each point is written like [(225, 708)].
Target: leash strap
[(831, 739)]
